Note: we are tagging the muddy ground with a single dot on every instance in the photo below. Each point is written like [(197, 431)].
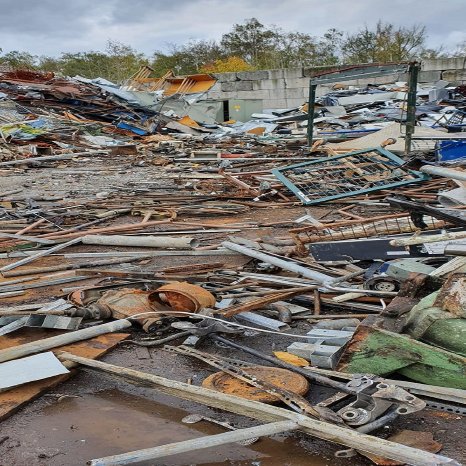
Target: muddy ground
[(94, 415)]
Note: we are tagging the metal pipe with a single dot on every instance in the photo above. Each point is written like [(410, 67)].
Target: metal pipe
[(46, 344), (283, 264), (51, 158), (320, 278), (196, 444), (413, 71), (61, 267), (46, 252), (310, 112), (445, 172), (166, 242)]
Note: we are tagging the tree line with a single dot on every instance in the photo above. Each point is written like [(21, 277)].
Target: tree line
[(248, 46)]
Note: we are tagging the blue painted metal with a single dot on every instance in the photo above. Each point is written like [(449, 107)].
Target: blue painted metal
[(134, 129), (350, 174), (449, 150)]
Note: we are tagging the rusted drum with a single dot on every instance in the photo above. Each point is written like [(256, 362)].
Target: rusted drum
[(182, 296)]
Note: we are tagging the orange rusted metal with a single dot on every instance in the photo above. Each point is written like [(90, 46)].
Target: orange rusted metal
[(182, 296), (282, 378), (126, 302)]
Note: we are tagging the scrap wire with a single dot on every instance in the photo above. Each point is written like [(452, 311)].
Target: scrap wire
[(199, 316)]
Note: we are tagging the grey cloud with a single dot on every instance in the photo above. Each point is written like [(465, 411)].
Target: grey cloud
[(55, 26)]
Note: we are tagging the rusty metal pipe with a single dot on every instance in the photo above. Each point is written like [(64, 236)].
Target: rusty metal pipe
[(166, 242)]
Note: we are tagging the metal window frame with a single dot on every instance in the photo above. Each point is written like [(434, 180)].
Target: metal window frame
[(279, 174)]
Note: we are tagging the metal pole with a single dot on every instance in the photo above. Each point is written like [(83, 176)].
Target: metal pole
[(284, 264), (326, 281), (168, 242), (34, 347), (445, 172), (195, 444), (310, 112), (46, 252), (413, 71)]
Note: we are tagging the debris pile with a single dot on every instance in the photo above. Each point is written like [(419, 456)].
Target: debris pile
[(275, 266)]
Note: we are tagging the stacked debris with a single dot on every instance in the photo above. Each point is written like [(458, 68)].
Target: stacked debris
[(278, 266)]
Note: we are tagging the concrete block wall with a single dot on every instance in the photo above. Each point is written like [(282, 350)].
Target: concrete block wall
[(276, 88), (290, 87)]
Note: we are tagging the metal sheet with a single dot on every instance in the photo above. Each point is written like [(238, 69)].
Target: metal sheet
[(15, 325), (37, 367)]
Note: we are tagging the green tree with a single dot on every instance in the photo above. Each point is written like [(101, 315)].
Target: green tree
[(117, 63), (186, 59), (385, 43), (250, 41), (19, 60), (46, 63)]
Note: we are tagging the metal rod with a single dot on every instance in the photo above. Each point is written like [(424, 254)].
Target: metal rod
[(52, 158), (34, 347), (283, 264), (195, 444), (31, 239), (320, 278), (277, 362), (46, 252)]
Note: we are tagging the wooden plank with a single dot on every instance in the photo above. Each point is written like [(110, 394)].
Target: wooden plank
[(264, 412), (12, 400)]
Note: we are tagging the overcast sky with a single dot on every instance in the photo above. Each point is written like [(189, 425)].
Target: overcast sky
[(49, 27)]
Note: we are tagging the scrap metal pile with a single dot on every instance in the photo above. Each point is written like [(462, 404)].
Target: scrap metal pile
[(189, 246)]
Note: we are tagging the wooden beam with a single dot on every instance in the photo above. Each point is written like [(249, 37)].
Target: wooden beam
[(324, 430)]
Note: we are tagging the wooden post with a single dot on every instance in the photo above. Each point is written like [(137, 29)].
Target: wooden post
[(317, 303), (268, 413)]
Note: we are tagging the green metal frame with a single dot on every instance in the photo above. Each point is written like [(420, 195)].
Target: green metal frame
[(367, 71), (391, 159)]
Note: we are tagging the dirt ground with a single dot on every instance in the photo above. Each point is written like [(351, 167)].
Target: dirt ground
[(94, 415)]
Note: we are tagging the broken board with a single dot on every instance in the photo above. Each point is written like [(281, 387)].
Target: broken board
[(12, 400)]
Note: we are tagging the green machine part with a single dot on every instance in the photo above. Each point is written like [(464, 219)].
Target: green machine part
[(449, 334), (376, 351)]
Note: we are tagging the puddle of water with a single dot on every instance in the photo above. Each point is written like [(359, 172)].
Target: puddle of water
[(112, 422)]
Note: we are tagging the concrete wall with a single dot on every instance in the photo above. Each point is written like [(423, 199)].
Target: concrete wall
[(290, 87)]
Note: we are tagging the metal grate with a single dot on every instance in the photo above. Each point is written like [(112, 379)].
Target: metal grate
[(346, 175), (355, 229)]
